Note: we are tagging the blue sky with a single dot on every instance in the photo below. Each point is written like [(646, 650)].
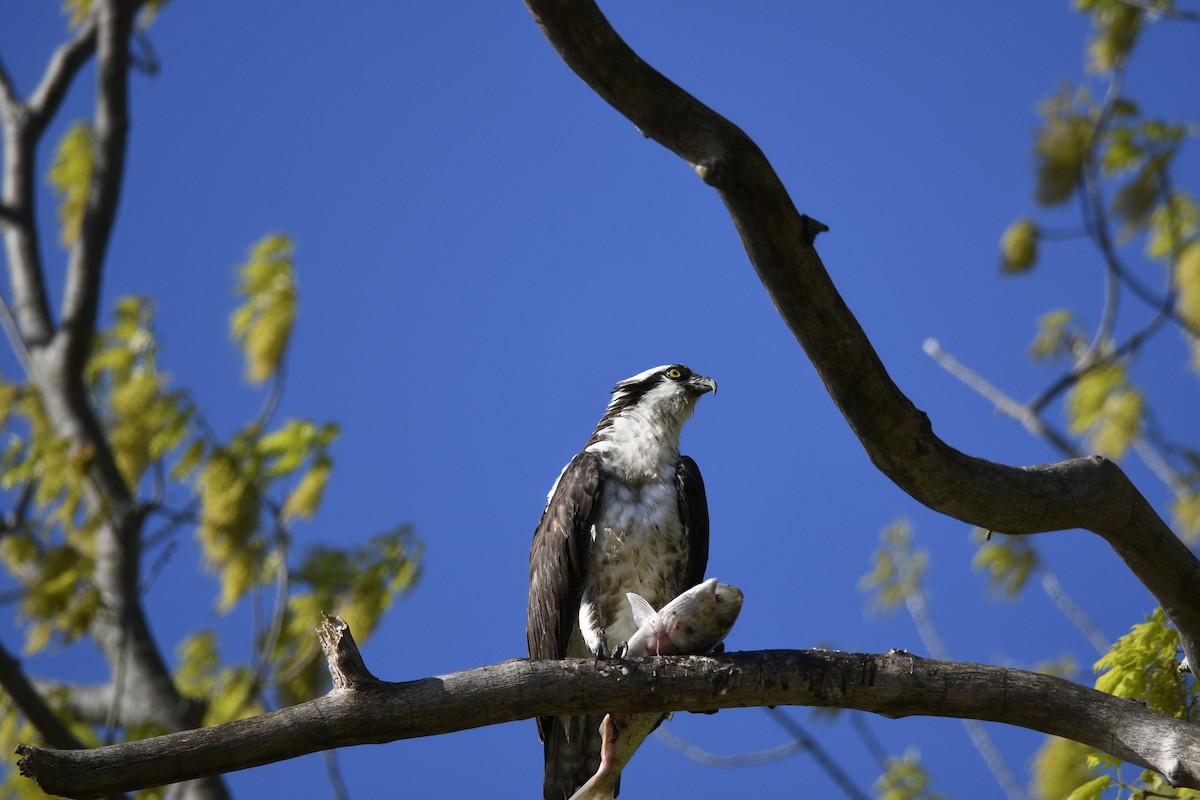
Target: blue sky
[(484, 247)]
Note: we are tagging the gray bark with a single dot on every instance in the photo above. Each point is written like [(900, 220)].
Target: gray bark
[(893, 684)]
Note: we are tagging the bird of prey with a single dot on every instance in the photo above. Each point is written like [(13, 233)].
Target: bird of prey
[(627, 514)]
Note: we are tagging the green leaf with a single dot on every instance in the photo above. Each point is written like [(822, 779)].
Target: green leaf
[(1187, 285), (228, 521), (1172, 224), (1007, 560), (304, 499), (1187, 516), (1019, 246), (70, 176), (1135, 201), (1057, 336), (262, 325), (294, 443), (904, 778), (897, 570), (1092, 790), (1105, 407), (1061, 144), (1142, 666)]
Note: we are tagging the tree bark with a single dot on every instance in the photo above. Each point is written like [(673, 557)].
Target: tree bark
[(1090, 493), (894, 684)]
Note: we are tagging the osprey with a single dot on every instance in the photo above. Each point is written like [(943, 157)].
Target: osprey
[(628, 514)]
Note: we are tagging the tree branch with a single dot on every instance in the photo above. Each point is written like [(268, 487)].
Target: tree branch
[(60, 72), (1091, 493), (114, 20), (894, 684), (33, 705)]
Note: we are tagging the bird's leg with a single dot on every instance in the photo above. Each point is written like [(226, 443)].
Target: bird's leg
[(589, 625)]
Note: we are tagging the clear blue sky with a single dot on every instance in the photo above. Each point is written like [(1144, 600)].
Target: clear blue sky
[(485, 247)]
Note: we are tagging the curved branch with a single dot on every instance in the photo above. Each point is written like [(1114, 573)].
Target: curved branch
[(894, 684), (1091, 493)]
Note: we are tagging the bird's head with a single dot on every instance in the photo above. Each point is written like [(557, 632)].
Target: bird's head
[(655, 403), (669, 384)]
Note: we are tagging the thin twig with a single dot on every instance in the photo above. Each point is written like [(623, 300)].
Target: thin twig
[(1006, 405), (1071, 610), (870, 740), (826, 762), (1096, 221), (721, 761), (918, 609), (1158, 10), (64, 65), (336, 781), (802, 741)]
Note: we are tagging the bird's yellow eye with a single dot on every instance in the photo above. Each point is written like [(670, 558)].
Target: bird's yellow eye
[(674, 373)]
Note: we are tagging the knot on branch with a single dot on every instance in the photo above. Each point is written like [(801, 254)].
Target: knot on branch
[(346, 665), (812, 227)]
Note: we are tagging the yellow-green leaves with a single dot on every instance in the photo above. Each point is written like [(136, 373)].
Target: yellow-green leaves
[(904, 778), (1092, 790), (1187, 515), (1105, 407), (303, 500), (1117, 25), (77, 10), (229, 513), (70, 176), (896, 570), (1187, 295), (228, 692), (1057, 336), (262, 324), (287, 450), (1008, 562), (234, 483), (146, 421), (1062, 143), (1142, 665), (1019, 246), (60, 598), (1060, 766), (1173, 224)]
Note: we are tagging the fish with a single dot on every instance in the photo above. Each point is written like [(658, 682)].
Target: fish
[(693, 623)]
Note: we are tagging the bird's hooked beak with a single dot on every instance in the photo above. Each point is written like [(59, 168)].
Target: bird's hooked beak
[(701, 384)]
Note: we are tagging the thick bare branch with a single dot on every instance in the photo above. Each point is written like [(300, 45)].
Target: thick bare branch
[(1091, 493), (894, 684)]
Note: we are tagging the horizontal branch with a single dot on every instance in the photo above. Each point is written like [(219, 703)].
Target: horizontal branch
[(893, 684), (1090, 493)]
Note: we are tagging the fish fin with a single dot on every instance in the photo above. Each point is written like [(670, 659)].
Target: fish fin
[(642, 610)]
